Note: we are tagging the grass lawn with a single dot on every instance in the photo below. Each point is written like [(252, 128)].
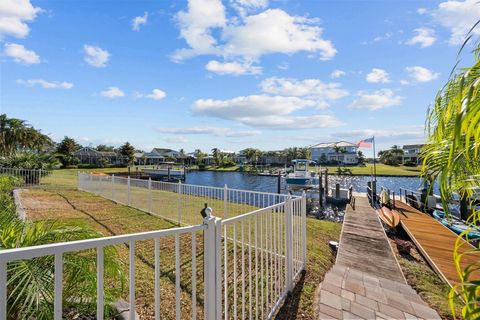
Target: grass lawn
[(382, 169), (57, 198)]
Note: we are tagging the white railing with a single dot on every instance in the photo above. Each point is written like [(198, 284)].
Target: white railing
[(28, 176), (58, 250), (250, 261), (264, 253), (177, 202)]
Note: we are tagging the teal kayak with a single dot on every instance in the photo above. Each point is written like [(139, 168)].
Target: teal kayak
[(457, 225)]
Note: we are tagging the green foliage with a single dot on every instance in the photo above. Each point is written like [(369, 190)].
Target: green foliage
[(361, 157), (452, 158), (30, 160), (392, 157), (128, 151), (30, 291), (103, 147), (16, 134), (65, 150)]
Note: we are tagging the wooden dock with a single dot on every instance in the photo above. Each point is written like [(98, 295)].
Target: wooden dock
[(436, 243), (364, 245), (366, 281)]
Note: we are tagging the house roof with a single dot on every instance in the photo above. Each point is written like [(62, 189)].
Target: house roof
[(91, 152), (413, 146), (334, 144)]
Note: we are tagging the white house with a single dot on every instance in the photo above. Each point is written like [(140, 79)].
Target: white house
[(342, 151), (159, 155), (412, 153)]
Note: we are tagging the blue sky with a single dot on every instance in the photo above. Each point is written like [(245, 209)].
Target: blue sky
[(232, 74)]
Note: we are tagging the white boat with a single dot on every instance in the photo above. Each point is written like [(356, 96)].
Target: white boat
[(301, 175)]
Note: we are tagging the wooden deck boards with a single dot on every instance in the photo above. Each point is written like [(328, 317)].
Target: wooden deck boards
[(364, 245), (435, 242)]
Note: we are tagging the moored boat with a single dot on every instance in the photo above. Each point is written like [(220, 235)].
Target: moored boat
[(301, 175), (457, 225)]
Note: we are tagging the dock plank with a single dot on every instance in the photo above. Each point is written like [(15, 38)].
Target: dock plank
[(435, 242), (364, 245)]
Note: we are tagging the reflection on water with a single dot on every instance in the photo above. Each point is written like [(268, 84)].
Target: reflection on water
[(239, 180)]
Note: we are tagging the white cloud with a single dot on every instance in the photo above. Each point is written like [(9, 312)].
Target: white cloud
[(337, 74), (386, 36), (138, 21), (376, 100), (112, 92), (20, 54), (378, 76), (96, 56), (404, 82), (248, 37), (425, 37), (275, 31), (313, 89), (156, 94), (264, 111), (233, 68), (215, 131), (283, 65), (421, 11), (458, 17), (46, 84), (196, 24), (422, 74), (14, 15), (246, 6)]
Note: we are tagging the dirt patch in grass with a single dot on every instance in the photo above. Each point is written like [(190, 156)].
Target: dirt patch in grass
[(421, 277)]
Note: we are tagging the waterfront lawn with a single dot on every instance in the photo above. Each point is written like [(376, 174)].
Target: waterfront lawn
[(57, 198), (382, 169)]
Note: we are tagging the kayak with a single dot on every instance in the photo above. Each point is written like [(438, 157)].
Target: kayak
[(457, 225), (390, 217)]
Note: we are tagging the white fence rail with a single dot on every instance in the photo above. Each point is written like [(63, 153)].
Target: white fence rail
[(28, 176), (250, 260), (177, 202)]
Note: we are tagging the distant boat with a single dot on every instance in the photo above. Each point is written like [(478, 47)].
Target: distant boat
[(301, 176), (456, 225)]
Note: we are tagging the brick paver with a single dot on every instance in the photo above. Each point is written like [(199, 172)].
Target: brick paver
[(353, 289)]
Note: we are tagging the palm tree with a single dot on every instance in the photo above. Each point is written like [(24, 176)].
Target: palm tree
[(30, 291), (217, 156), (16, 134), (452, 158)]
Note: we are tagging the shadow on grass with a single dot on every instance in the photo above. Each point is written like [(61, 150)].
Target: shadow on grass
[(289, 309)]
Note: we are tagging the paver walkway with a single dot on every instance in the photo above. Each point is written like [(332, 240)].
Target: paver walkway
[(366, 281)]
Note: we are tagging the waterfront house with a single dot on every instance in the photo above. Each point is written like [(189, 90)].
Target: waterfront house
[(342, 152), (88, 155), (411, 154), (159, 155)]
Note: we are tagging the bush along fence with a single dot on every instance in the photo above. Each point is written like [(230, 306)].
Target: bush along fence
[(251, 260), (29, 177)]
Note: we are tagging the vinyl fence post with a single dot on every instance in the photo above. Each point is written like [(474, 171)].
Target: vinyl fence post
[(179, 186), (225, 200), (289, 243), (150, 194), (304, 228), (3, 290), (128, 191), (113, 187), (210, 239)]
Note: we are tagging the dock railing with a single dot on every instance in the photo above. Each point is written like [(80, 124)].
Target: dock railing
[(251, 259)]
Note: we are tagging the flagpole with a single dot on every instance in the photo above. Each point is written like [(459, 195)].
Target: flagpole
[(374, 161)]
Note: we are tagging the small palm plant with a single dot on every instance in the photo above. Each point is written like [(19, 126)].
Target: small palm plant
[(452, 157), (30, 282)]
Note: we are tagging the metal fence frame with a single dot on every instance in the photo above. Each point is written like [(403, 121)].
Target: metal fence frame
[(30, 177), (276, 236)]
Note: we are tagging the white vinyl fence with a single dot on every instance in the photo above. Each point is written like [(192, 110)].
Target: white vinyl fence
[(177, 202), (250, 260), (28, 177)]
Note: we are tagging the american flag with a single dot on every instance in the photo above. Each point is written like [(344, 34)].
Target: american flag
[(365, 143)]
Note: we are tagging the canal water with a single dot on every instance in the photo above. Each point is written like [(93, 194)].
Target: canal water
[(240, 180)]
